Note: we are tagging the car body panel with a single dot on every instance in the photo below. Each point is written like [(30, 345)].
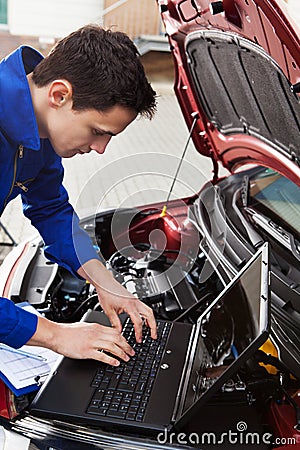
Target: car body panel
[(257, 23)]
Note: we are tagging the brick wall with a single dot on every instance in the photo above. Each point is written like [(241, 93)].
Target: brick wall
[(8, 43), (135, 17)]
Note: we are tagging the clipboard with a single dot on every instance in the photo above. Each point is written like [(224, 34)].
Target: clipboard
[(23, 374)]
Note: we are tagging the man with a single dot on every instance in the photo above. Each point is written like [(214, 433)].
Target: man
[(89, 88)]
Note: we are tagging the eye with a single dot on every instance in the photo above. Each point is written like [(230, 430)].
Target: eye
[(98, 132)]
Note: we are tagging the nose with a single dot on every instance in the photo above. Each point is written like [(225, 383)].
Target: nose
[(100, 144)]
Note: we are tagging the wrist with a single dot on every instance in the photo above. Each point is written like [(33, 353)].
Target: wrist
[(46, 334)]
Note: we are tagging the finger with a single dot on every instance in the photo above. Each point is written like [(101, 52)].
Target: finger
[(103, 357), (127, 348), (138, 325), (112, 349), (151, 323), (124, 345), (147, 314), (115, 343), (114, 320)]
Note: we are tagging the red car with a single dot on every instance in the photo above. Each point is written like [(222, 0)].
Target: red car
[(237, 80)]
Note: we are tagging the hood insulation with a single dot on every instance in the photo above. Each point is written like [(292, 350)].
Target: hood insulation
[(242, 90)]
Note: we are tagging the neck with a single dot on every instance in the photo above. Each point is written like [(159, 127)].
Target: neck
[(38, 100)]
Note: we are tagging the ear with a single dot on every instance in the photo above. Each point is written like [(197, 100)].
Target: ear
[(59, 93)]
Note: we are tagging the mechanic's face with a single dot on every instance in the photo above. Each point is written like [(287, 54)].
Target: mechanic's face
[(78, 132)]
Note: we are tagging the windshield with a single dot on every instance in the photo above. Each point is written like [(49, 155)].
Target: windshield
[(276, 195)]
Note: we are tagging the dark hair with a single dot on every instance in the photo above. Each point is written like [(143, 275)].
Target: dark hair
[(104, 69)]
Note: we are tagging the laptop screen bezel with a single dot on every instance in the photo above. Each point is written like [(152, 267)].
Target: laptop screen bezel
[(184, 417)]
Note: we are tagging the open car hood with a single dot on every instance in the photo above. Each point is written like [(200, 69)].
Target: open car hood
[(234, 80)]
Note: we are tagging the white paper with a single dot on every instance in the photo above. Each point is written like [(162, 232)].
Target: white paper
[(23, 371)]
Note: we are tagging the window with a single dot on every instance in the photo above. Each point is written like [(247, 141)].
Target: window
[(278, 196), (3, 12)]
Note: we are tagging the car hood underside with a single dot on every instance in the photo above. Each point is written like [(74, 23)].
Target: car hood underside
[(239, 87)]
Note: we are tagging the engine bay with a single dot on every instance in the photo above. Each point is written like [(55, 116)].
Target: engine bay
[(165, 266)]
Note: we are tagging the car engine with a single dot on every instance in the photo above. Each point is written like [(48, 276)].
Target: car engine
[(172, 275)]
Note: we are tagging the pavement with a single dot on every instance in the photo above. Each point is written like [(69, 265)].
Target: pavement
[(294, 10)]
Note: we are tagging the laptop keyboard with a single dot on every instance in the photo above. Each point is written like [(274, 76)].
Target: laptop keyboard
[(123, 392)]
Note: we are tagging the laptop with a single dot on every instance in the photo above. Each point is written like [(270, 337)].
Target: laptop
[(163, 386)]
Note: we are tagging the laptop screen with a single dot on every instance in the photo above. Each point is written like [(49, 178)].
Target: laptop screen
[(230, 330)]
